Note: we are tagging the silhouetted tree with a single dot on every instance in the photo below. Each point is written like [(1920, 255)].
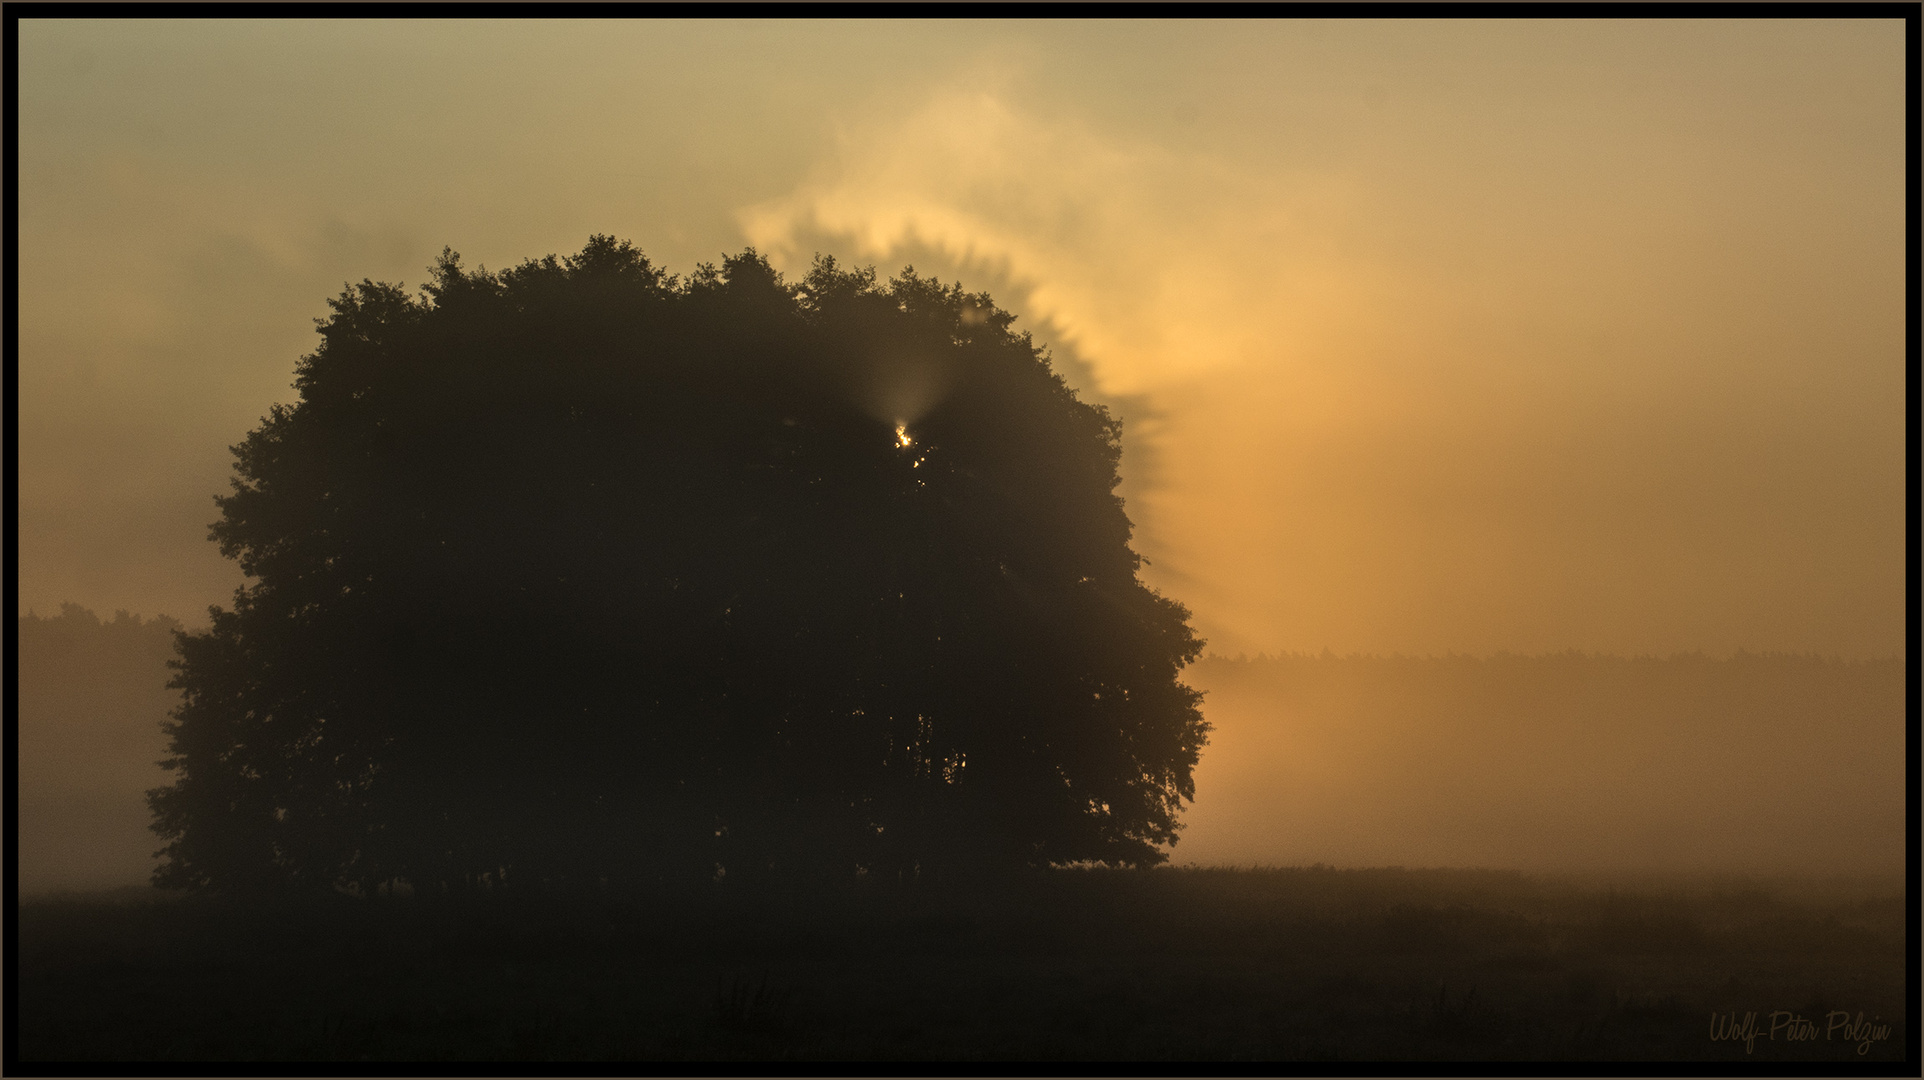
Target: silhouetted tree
[(580, 573)]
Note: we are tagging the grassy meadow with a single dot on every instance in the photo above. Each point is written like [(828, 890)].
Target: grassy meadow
[(1546, 762), (1169, 965)]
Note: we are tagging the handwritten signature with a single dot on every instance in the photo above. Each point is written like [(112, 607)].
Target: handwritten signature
[(1729, 1027)]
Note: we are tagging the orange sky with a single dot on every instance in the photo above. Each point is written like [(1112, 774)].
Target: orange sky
[(1465, 336)]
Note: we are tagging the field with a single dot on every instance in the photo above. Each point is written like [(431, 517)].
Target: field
[(1167, 965)]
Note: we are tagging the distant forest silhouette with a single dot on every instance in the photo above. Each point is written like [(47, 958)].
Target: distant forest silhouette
[(93, 695), (1756, 762), (580, 575)]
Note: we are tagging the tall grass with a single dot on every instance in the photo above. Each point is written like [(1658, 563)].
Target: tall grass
[(1100, 965)]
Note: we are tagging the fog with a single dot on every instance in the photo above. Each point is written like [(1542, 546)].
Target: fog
[(1759, 765), (92, 697), (1432, 338), (1562, 764)]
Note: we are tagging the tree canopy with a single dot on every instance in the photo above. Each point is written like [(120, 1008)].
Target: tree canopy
[(581, 573)]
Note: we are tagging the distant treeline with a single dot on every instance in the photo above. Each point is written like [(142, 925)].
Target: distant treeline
[(1765, 762), (93, 694), (1569, 761)]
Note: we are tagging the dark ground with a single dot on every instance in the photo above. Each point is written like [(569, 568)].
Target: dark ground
[(1166, 965)]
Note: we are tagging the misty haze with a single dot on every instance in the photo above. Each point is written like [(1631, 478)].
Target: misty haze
[(1754, 764), (1083, 541)]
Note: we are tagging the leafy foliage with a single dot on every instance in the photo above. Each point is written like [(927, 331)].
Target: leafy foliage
[(583, 574)]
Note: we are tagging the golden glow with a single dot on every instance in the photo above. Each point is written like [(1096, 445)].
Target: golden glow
[(1381, 398), (1429, 337)]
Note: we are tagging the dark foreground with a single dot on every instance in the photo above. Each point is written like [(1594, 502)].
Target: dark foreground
[(1167, 965)]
